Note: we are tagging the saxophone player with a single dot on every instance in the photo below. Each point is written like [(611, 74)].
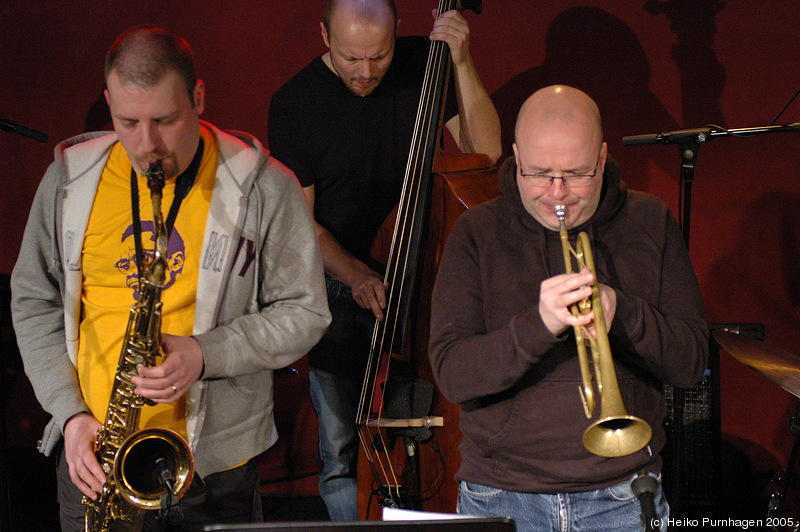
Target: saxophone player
[(502, 341), (243, 291)]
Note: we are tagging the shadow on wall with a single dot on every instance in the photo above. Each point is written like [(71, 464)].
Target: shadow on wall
[(98, 117), (770, 225), (593, 50), (765, 283)]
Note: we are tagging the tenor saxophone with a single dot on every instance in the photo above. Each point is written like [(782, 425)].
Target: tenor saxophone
[(145, 469)]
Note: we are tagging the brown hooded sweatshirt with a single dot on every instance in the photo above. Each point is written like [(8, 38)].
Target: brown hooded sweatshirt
[(521, 415)]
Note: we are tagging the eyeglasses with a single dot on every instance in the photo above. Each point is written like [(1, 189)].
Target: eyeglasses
[(569, 180)]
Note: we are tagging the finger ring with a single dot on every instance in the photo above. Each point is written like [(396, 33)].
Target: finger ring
[(174, 389)]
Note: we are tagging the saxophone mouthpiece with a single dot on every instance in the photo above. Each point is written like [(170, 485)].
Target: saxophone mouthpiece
[(155, 176)]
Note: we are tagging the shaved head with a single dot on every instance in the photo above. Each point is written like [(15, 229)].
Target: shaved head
[(360, 36), (559, 133), (558, 105), (365, 10)]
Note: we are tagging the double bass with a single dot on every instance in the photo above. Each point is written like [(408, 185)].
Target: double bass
[(408, 432)]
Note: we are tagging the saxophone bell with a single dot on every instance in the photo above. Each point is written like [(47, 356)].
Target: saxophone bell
[(615, 433), (151, 462)]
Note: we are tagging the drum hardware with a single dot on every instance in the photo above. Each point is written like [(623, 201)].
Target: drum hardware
[(783, 369)]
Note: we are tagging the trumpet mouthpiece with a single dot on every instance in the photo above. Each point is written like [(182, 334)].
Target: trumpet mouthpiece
[(560, 211)]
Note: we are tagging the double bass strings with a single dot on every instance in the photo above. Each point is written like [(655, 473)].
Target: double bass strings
[(401, 258)]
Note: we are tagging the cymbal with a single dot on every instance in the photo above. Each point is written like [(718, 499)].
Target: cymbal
[(780, 367)]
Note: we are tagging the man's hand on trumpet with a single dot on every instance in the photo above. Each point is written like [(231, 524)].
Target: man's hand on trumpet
[(559, 292)]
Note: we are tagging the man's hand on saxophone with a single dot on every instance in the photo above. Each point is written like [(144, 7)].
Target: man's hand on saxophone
[(84, 469), (181, 367)]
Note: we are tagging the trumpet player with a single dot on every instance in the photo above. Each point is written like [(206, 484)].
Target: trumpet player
[(243, 295), (503, 332)]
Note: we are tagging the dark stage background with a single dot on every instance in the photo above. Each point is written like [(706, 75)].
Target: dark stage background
[(652, 66)]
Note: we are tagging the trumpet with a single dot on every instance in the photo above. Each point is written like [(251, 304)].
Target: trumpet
[(615, 433)]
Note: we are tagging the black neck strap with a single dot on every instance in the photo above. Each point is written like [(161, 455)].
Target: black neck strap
[(183, 185)]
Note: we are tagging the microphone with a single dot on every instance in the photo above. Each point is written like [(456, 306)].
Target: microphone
[(13, 127), (165, 476), (702, 134), (411, 452), (168, 510), (645, 487)]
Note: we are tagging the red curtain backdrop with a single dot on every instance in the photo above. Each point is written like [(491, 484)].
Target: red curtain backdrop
[(652, 65)]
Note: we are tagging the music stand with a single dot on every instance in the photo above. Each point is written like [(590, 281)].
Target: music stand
[(450, 525)]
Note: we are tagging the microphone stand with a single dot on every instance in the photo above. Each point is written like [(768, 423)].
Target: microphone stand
[(688, 142), (645, 487), (786, 478), (13, 127), (169, 513)]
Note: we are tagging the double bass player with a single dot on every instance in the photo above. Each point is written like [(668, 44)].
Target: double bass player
[(343, 124)]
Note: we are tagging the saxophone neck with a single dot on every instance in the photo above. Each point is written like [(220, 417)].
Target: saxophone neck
[(155, 178), (156, 270)]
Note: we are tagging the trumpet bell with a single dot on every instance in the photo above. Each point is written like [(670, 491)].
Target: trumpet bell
[(615, 436), (136, 471)]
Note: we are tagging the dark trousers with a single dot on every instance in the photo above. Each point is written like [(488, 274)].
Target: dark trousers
[(230, 496)]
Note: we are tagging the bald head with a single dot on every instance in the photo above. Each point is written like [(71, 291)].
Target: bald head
[(370, 11), (559, 106), (360, 36), (558, 135)]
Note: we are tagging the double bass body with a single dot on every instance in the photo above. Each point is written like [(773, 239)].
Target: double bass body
[(426, 480)]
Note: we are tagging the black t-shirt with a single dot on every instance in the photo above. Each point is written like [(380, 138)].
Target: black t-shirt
[(354, 149)]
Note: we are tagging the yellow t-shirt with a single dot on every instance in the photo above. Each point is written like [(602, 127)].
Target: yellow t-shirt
[(110, 275)]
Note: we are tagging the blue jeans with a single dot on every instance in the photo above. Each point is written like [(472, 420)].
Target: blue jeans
[(335, 401), (336, 372), (613, 508)]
